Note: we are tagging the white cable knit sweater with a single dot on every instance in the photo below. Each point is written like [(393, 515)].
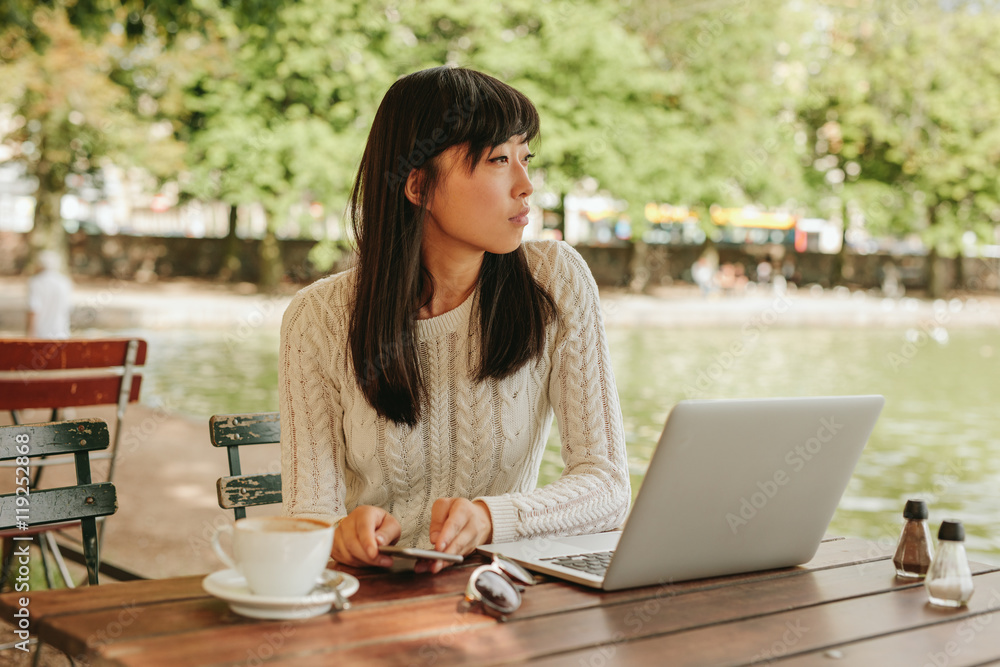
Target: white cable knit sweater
[(474, 440)]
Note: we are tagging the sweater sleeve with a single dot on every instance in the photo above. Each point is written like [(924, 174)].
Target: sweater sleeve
[(593, 493), (312, 434)]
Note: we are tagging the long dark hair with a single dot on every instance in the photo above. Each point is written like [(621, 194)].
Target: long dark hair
[(422, 115)]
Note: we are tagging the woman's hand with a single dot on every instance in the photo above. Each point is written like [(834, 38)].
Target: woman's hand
[(361, 533), (458, 526)]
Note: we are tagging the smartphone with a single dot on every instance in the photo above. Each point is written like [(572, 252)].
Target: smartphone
[(409, 552)]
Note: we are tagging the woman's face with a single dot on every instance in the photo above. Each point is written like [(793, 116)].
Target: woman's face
[(486, 210)]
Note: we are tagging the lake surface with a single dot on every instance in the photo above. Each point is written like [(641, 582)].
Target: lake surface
[(938, 437)]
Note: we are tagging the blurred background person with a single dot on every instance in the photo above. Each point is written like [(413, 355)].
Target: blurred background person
[(764, 272), (50, 298), (703, 275)]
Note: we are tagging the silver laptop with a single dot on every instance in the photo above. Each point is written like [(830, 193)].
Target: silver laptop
[(733, 486)]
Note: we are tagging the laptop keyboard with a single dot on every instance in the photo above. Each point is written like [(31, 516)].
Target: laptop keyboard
[(592, 563)]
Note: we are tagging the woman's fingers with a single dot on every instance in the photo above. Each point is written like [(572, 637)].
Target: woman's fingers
[(360, 534), (459, 525), (440, 514)]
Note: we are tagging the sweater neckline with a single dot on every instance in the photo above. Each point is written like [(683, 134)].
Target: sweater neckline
[(454, 320)]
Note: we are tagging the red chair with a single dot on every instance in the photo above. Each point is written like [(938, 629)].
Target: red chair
[(58, 374)]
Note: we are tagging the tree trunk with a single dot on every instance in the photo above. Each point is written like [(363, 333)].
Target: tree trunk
[(48, 231), (840, 259), (560, 211), (231, 265), (933, 275), (638, 269), (271, 266), (959, 270)]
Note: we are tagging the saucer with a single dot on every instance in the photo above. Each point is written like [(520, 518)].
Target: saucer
[(229, 585)]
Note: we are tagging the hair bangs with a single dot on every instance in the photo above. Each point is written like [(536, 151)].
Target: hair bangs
[(486, 112)]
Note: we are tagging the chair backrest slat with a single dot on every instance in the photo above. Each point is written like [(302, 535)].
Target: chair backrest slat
[(68, 373), (237, 491), (27, 354), (70, 437), (29, 394), (249, 490), (55, 374), (257, 428), (68, 503)]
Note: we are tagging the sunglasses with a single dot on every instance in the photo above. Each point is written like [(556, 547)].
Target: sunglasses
[(497, 586)]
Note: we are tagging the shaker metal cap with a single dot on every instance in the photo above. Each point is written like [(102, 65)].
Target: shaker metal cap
[(915, 509), (952, 531)]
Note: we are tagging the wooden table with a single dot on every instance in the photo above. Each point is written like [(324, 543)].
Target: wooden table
[(845, 607)]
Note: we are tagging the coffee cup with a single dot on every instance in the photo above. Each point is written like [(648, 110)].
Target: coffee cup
[(279, 556)]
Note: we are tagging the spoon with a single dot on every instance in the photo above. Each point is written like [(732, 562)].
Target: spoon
[(340, 603)]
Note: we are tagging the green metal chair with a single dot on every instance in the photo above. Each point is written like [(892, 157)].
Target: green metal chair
[(74, 373), (239, 491), (56, 374), (22, 512)]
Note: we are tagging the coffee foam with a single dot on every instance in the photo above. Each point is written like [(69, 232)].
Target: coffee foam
[(281, 525)]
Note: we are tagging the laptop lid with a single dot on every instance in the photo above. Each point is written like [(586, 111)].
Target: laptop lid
[(735, 485)]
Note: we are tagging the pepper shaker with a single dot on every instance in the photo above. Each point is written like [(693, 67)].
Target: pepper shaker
[(949, 580), (914, 552)]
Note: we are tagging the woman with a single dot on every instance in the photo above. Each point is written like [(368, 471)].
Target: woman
[(417, 389)]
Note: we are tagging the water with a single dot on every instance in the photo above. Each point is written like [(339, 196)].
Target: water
[(938, 437)]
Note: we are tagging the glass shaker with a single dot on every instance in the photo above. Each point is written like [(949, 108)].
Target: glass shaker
[(949, 581), (914, 552)]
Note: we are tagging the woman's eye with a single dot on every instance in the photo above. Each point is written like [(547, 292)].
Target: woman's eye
[(504, 159)]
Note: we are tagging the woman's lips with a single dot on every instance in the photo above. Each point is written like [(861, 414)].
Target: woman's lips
[(521, 218)]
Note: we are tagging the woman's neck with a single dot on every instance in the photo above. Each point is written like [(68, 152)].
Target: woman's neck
[(454, 276)]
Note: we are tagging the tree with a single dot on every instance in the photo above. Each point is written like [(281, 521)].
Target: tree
[(286, 116), (272, 113), (72, 109), (731, 138), (900, 114)]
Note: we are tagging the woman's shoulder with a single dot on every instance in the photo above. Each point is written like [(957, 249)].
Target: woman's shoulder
[(556, 262), (330, 295), (336, 285)]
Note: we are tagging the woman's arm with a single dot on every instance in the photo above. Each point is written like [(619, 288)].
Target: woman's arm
[(312, 434), (593, 493), (313, 449)]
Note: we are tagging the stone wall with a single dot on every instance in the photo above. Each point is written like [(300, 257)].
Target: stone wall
[(150, 258), (667, 264), (147, 258)]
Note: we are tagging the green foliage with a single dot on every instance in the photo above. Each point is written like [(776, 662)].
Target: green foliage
[(287, 116), (873, 107), (273, 116), (730, 136), (325, 254), (908, 100), (75, 104)]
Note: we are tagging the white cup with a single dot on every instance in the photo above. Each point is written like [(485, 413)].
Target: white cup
[(279, 556)]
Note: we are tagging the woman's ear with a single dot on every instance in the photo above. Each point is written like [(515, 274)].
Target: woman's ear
[(414, 183)]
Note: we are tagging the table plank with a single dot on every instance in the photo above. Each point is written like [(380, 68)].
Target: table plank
[(228, 639), (172, 626), (839, 552), (540, 627), (151, 591), (760, 639), (105, 596), (158, 614), (965, 642)]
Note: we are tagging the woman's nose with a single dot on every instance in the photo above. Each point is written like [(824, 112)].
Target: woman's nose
[(522, 185)]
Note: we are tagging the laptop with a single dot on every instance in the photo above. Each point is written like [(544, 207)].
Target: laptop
[(733, 486)]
